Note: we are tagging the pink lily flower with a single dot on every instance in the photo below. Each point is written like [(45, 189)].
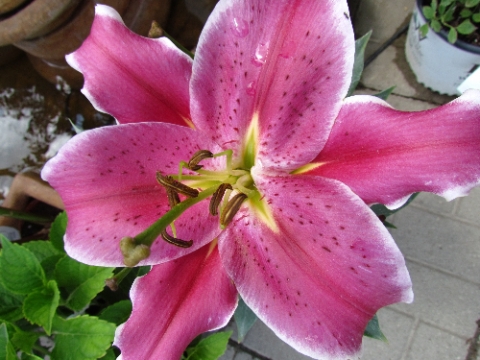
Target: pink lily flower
[(265, 96)]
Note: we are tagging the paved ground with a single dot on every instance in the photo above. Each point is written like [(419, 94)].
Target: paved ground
[(440, 240)]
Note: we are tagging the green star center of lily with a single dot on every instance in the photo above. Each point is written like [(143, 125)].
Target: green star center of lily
[(229, 188)]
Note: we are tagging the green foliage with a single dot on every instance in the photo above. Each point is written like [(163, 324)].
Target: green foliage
[(244, 318), (20, 270), (7, 351), (360, 46), (373, 330), (385, 93), (81, 338), (117, 313), (57, 231), (455, 16), (39, 283), (81, 281), (209, 348), (41, 305)]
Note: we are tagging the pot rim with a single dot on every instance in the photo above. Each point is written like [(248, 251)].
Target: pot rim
[(460, 44)]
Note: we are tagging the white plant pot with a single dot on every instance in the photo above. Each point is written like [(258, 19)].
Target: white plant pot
[(436, 63)]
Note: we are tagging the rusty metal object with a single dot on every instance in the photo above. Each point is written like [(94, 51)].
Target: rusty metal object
[(140, 14), (56, 72), (8, 5), (37, 19), (65, 39)]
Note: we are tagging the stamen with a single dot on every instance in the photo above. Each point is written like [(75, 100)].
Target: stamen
[(197, 157), (231, 209), (174, 241), (217, 198), (169, 182), (173, 198)]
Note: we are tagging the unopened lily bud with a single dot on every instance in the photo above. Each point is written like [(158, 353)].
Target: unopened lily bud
[(155, 30)]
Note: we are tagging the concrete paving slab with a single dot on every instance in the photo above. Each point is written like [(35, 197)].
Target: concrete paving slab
[(400, 102), (265, 342), (443, 301), (390, 68), (229, 354), (469, 207), (435, 203), (397, 328), (244, 356), (439, 241), (372, 15), (435, 344)]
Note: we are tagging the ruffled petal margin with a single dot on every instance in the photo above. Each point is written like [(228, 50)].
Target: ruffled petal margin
[(319, 278), (384, 155), (106, 178), (285, 64), (133, 78), (174, 303)]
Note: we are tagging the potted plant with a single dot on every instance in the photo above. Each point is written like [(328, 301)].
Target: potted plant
[(443, 43)]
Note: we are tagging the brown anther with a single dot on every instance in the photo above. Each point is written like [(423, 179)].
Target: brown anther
[(173, 198), (217, 198), (231, 209), (169, 183), (197, 157), (155, 31), (174, 241)]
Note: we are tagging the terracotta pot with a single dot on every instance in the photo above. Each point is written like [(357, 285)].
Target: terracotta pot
[(38, 18), (8, 53), (119, 5), (9, 5), (436, 63), (140, 14), (64, 39), (57, 72)]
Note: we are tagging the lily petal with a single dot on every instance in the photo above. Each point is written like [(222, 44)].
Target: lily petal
[(322, 276), (284, 64), (174, 303), (385, 155), (133, 78), (106, 178)]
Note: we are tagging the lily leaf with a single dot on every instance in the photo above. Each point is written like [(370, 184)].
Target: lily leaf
[(373, 330), (244, 318), (385, 93), (360, 46), (380, 209), (209, 348)]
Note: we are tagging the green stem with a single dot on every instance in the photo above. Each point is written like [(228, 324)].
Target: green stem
[(20, 215), (148, 236)]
